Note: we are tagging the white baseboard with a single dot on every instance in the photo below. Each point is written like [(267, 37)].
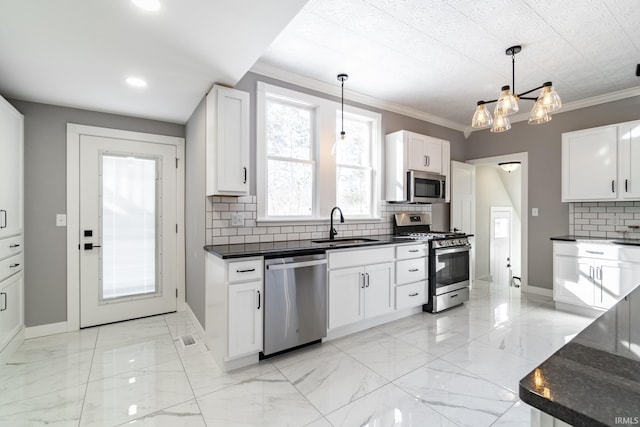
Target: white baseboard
[(369, 323), (539, 291), (195, 321), (44, 330)]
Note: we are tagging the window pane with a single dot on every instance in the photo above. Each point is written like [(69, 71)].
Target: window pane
[(354, 149), (289, 130), (354, 191), (290, 188), (128, 226)]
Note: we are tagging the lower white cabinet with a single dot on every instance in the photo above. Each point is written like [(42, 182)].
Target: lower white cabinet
[(245, 318), (359, 293), (10, 308), (234, 310), (594, 275)]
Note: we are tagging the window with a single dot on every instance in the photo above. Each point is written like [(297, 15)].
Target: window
[(304, 168), (290, 159)]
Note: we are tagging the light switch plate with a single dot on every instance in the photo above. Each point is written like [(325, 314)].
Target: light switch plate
[(237, 220), (61, 220), (534, 211)]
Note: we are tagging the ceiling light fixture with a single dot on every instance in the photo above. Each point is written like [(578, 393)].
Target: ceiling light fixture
[(341, 78), (136, 82), (509, 166), (149, 5), (507, 103)]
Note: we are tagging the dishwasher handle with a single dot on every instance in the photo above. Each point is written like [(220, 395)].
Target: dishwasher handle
[(296, 264)]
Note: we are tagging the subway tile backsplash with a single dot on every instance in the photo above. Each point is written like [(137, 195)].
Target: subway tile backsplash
[(611, 220), (220, 210)]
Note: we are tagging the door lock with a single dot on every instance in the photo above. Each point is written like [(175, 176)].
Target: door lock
[(89, 246)]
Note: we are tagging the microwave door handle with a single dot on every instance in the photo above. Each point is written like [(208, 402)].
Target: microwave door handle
[(410, 186), (442, 189)]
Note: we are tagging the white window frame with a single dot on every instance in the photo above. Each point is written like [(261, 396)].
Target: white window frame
[(325, 170)]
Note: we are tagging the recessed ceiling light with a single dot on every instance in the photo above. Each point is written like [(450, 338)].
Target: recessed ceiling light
[(150, 5), (136, 82)]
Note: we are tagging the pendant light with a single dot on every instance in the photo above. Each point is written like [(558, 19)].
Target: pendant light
[(341, 78), (547, 102)]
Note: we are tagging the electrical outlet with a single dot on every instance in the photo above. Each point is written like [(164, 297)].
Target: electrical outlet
[(534, 211), (61, 220), (237, 220)]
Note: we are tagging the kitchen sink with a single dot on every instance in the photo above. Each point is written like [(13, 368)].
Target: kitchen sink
[(345, 241)]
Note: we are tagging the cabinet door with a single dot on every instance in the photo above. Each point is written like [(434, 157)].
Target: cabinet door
[(379, 290), (10, 170), (227, 142), (573, 280), (629, 160), (424, 153), (346, 296), (10, 308), (589, 164), (245, 318), (614, 280)]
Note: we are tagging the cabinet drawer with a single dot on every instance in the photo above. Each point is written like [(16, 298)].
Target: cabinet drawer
[(10, 246), (411, 251), (353, 258), (411, 270), (10, 266), (240, 271), (411, 295)]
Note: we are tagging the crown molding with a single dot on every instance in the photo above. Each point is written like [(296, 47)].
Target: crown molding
[(330, 89)]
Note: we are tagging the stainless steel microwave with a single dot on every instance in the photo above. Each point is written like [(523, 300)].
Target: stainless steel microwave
[(418, 187)]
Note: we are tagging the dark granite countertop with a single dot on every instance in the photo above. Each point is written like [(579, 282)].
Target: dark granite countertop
[(594, 380), (294, 247), (573, 238)]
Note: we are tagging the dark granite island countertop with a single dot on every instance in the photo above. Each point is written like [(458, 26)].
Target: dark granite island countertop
[(594, 380), (574, 238)]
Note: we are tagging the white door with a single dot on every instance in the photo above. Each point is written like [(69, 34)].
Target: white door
[(500, 246), (128, 232), (463, 204)]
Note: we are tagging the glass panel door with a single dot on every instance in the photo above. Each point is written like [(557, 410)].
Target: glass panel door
[(129, 227)]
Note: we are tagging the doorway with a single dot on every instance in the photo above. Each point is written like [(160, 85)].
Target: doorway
[(125, 215)]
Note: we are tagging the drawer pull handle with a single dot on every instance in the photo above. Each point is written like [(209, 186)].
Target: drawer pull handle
[(413, 270), (415, 294), (413, 250), (595, 252), (454, 295), (15, 245), (14, 265), (248, 270)]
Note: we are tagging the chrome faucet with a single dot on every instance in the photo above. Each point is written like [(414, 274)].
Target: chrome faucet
[(332, 231)]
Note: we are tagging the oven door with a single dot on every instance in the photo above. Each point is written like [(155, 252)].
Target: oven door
[(451, 269), (425, 187)]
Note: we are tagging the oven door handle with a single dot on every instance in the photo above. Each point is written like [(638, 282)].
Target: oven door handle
[(444, 251)]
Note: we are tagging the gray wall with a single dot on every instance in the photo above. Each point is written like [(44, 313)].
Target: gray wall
[(45, 180), (543, 143), (195, 211)]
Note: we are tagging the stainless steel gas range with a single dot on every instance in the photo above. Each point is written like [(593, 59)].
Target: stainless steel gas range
[(448, 280)]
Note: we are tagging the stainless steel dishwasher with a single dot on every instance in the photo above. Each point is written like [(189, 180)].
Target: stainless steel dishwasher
[(295, 302)]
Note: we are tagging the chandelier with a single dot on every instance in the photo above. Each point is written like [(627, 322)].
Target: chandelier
[(507, 103)]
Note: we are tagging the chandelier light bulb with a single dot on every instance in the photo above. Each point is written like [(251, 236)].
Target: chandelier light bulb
[(507, 103), (539, 114), (549, 98), (501, 124), (482, 116)]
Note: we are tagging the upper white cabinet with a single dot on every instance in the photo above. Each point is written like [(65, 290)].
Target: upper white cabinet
[(411, 151), (601, 163), (227, 137), (11, 183)]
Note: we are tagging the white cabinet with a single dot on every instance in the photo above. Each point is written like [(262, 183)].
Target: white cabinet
[(227, 146), (11, 224), (412, 272), (234, 310), (11, 172), (404, 151), (245, 318), (361, 285), (594, 275), (601, 163), (11, 308)]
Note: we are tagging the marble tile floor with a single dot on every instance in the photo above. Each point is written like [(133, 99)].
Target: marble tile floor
[(457, 368)]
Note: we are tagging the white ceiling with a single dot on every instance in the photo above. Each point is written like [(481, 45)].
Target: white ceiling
[(429, 59)]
